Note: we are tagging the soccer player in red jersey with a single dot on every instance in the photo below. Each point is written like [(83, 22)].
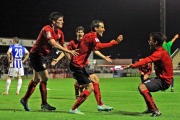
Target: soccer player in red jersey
[(145, 71), (48, 38), (73, 44), (89, 42), (163, 69)]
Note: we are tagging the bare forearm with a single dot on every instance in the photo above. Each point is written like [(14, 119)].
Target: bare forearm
[(60, 56), (99, 54), (8, 56), (27, 56)]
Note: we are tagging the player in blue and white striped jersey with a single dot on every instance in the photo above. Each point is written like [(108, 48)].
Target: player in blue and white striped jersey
[(16, 63)]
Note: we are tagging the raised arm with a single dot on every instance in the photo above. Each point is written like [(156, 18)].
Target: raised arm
[(175, 37)]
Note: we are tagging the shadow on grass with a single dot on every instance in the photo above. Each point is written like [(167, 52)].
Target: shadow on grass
[(56, 98), (125, 113), (34, 110), (11, 110)]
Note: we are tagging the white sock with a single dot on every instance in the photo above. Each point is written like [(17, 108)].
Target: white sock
[(8, 83), (19, 85)]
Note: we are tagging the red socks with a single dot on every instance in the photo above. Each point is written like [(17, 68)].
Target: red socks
[(97, 93), (43, 91), (30, 90), (81, 99), (149, 99)]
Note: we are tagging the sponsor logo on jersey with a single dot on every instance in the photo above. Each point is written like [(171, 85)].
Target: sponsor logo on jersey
[(96, 39), (48, 34)]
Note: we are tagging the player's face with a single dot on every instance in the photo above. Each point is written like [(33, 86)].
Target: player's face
[(80, 34), (59, 22), (100, 29), (151, 43)]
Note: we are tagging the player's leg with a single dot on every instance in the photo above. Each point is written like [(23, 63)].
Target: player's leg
[(8, 83), (101, 107), (83, 79), (76, 87), (30, 90), (20, 73), (172, 85), (152, 85), (43, 90), (12, 73), (84, 95), (81, 88), (19, 85)]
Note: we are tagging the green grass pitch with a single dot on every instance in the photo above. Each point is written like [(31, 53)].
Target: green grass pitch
[(120, 93)]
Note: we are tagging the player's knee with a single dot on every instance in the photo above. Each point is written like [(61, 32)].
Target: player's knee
[(142, 87), (90, 87)]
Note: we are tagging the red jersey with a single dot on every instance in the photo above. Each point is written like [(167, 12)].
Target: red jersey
[(88, 43), (163, 64), (146, 69), (73, 44), (42, 45)]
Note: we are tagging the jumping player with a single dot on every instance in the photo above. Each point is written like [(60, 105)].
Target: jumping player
[(163, 69), (48, 38), (16, 64), (88, 43), (167, 46), (73, 44)]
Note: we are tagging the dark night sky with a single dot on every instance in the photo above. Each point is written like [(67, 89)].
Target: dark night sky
[(135, 19)]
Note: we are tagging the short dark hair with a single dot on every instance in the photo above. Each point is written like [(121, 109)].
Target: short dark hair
[(95, 23), (80, 28), (55, 16), (16, 39), (157, 36)]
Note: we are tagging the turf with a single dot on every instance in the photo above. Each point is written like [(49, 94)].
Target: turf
[(120, 93)]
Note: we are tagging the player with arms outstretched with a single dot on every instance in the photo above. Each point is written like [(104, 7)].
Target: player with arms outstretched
[(89, 42), (73, 44), (48, 38), (163, 69), (16, 64)]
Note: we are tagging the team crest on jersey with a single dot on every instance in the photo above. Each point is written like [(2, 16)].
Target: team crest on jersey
[(96, 39), (48, 34)]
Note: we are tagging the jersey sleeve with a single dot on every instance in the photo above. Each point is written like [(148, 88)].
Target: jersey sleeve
[(154, 57), (104, 45), (10, 49), (25, 50), (169, 44), (47, 33)]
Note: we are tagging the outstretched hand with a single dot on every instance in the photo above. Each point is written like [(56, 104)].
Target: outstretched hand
[(119, 38), (176, 36), (107, 58), (129, 66), (74, 53), (54, 62)]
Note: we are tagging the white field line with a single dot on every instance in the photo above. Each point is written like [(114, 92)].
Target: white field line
[(101, 90)]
